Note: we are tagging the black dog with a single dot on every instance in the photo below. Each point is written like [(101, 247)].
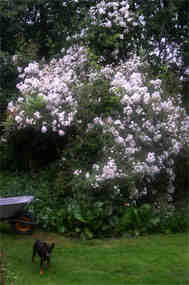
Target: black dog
[(44, 250)]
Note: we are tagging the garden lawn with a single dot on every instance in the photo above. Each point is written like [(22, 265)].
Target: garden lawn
[(156, 259)]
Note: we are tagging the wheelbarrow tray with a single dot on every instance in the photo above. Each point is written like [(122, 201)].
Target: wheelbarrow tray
[(11, 207)]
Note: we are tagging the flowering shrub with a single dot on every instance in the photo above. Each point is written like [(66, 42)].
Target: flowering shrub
[(109, 30), (143, 129), (115, 29)]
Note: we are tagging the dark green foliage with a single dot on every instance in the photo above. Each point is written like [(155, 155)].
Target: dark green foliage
[(85, 216), (8, 73), (181, 197), (96, 100), (75, 211), (42, 23), (29, 149), (18, 183), (8, 79), (146, 219)]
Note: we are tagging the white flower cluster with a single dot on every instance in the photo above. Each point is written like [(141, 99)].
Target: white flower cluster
[(108, 13), (152, 130), (54, 84)]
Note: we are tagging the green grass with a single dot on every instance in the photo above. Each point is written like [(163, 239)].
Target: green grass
[(153, 260)]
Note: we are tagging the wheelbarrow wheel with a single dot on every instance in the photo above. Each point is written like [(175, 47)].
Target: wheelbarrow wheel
[(23, 228)]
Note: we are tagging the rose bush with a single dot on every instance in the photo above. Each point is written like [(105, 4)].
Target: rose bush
[(143, 129)]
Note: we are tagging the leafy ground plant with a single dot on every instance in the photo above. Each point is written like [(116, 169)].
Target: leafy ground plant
[(157, 259)]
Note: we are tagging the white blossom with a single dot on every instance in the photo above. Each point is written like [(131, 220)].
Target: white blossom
[(44, 129), (61, 132), (18, 119)]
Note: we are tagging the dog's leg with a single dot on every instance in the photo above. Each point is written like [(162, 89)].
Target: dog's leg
[(41, 266), (48, 263), (34, 253)]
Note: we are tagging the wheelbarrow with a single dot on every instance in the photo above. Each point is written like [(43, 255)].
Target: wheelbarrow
[(12, 211)]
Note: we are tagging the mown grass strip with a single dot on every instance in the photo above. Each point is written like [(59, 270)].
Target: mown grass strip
[(156, 259)]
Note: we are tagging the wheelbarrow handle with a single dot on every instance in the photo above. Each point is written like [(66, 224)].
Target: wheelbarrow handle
[(22, 222)]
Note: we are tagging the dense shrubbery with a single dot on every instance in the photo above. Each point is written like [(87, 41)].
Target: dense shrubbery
[(114, 135), (116, 122), (80, 213)]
